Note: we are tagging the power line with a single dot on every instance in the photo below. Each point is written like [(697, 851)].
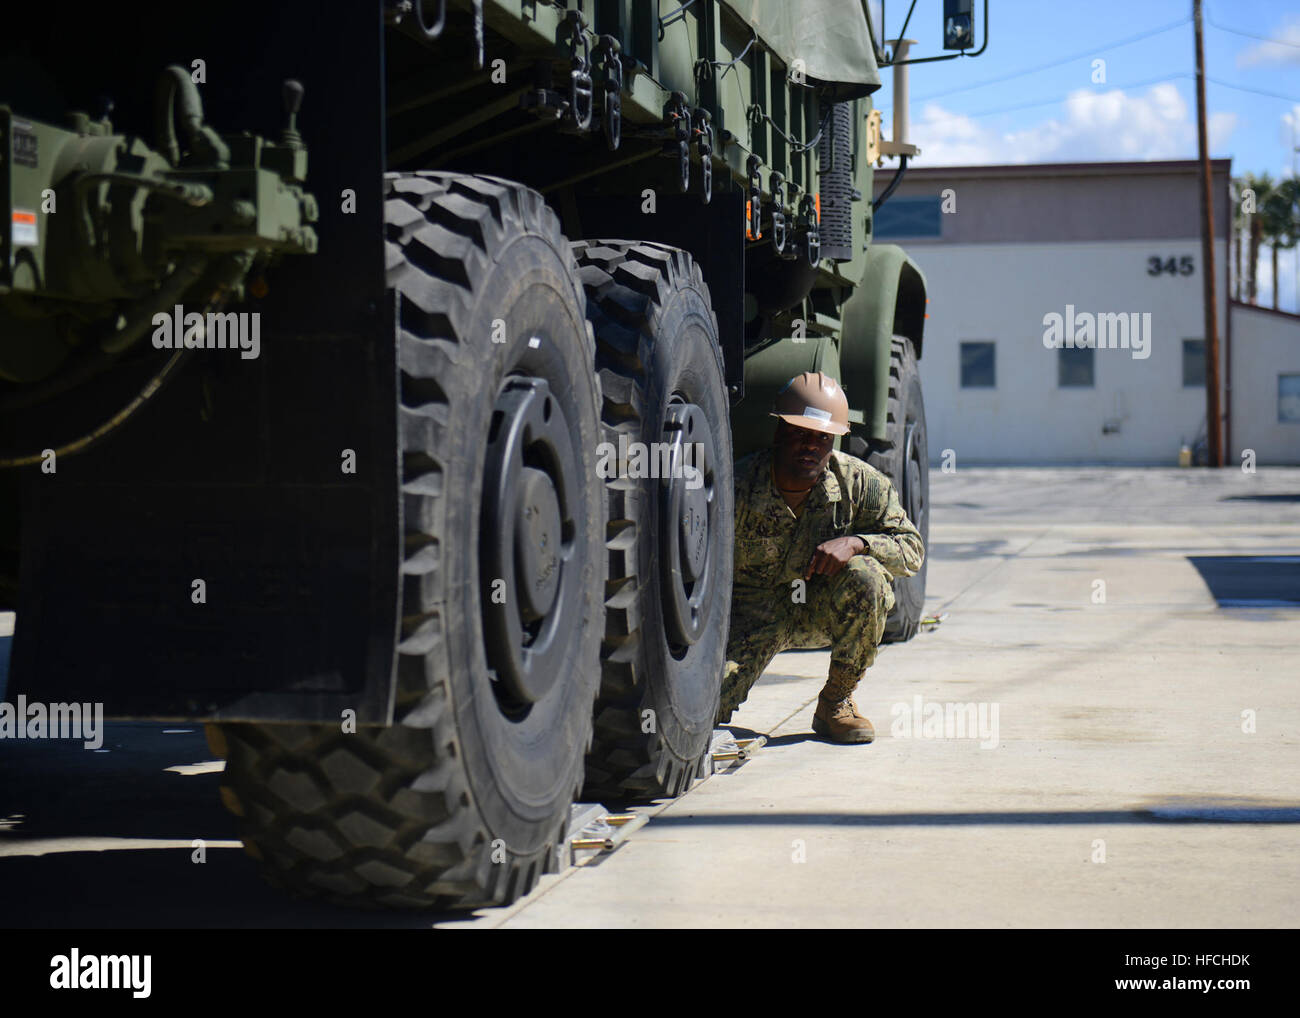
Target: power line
[(1136, 84), (1062, 98), (1092, 51), (1256, 91), (1252, 35)]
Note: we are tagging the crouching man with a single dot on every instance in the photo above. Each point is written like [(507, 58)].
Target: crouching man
[(820, 535)]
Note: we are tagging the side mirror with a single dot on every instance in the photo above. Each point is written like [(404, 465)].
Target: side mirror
[(958, 24)]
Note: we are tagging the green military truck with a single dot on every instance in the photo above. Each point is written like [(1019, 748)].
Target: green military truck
[(371, 377)]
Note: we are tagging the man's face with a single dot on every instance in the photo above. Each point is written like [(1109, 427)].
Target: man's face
[(800, 453)]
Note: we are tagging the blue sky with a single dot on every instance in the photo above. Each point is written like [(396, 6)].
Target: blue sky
[(1031, 96)]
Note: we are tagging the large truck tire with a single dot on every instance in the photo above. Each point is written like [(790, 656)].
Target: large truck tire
[(669, 538), (462, 801), (903, 457)]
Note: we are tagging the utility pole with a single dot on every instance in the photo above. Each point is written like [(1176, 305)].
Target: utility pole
[(1213, 424)]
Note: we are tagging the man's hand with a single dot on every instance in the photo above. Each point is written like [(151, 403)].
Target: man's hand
[(833, 555)]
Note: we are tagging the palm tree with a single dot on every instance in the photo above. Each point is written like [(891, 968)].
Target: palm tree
[(1262, 185), (1237, 185), (1280, 222)]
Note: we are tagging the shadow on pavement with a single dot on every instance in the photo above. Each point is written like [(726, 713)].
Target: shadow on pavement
[(60, 790), (163, 889), (1243, 581), (793, 739), (1186, 814)]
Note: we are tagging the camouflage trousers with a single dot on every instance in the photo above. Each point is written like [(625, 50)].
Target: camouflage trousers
[(845, 612)]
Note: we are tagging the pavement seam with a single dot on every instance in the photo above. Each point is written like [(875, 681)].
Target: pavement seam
[(530, 900), (945, 605), (1002, 562), (652, 811), (799, 710)]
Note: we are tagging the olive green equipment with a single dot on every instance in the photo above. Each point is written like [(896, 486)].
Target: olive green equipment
[(376, 552)]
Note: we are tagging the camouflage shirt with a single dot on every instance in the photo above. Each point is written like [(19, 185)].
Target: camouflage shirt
[(853, 499)]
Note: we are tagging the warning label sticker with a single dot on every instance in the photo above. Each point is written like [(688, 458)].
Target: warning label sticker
[(24, 229)]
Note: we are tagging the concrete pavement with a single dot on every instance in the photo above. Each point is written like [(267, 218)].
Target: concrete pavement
[(1147, 752), (1143, 774)]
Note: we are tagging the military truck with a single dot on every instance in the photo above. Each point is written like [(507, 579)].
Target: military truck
[(372, 377)]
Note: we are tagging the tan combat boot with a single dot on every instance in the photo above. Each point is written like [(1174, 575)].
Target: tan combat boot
[(840, 721)]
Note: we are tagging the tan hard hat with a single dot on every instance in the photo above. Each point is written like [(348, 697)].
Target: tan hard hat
[(814, 401)]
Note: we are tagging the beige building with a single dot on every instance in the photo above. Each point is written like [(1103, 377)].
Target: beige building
[(1066, 320)]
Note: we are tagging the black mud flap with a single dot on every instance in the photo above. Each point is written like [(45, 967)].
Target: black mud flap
[(232, 551)]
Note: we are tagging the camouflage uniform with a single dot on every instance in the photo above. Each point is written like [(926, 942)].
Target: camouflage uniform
[(845, 612)]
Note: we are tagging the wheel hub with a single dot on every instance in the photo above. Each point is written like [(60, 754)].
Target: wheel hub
[(537, 543), (687, 504), (694, 521), (528, 560)]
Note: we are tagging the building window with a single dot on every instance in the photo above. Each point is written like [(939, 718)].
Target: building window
[(909, 217), (1074, 367), (1194, 363), (1288, 399), (978, 366)]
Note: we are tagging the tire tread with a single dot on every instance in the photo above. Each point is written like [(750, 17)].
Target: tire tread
[(384, 817), (625, 763)]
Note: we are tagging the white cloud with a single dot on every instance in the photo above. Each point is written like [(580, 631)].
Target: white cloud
[(1219, 127), (1096, 126), (1288, 133), (1265, 53), (951, 139)]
